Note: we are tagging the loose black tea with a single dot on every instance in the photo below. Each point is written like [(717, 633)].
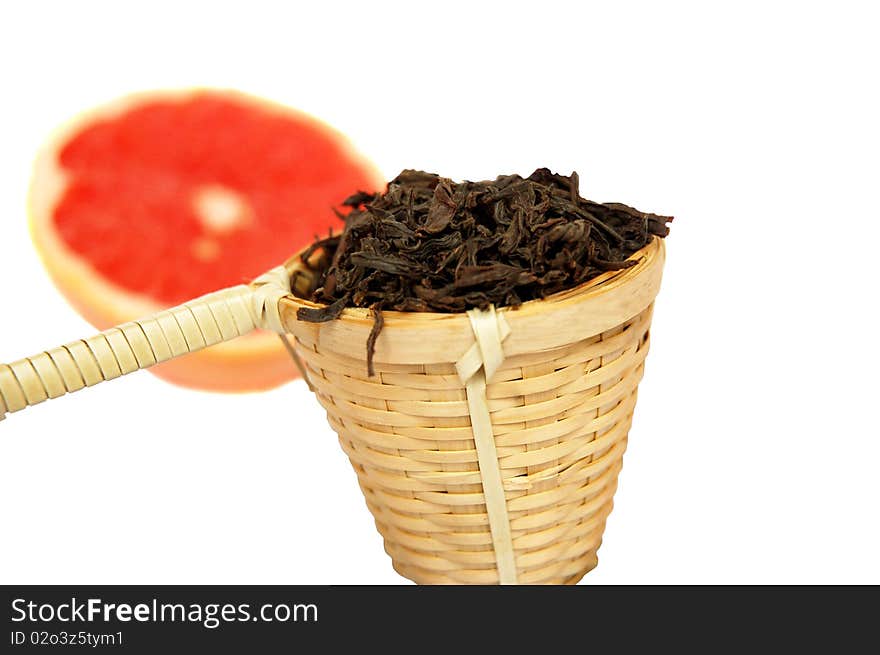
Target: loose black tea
[(432, 245)]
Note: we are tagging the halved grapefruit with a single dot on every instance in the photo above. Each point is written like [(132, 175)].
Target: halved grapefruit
[(160, 197)]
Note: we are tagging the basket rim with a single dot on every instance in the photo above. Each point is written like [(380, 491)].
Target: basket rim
[(583, 311)]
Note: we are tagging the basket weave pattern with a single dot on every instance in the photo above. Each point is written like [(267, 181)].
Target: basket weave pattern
[(560, 419)]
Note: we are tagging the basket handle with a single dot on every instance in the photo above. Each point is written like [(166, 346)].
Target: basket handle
[(213, 318)]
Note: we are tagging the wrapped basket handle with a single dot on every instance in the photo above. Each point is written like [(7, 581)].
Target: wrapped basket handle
[(213, 318)]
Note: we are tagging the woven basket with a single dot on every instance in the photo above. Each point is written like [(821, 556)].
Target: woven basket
[(559, 405), (487, 444)]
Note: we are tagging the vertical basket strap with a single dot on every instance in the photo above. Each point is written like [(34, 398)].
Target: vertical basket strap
[(205, 321), (477, 366)]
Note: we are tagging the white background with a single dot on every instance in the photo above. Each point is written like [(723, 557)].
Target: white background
[(754, 454)]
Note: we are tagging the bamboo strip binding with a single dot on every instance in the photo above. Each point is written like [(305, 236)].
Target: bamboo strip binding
[(205, 321), (479, 364)]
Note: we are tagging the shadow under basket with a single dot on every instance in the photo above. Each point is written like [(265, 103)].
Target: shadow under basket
[(560, 403)]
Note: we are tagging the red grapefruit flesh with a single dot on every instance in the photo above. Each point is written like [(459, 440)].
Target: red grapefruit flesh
[(162, 197)]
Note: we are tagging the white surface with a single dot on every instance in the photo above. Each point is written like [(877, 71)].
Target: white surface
[(754, 453)]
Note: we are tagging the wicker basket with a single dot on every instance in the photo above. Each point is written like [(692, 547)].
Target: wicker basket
[(487, 444)]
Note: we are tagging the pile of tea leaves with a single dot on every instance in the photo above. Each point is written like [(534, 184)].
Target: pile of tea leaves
[(429, 244)]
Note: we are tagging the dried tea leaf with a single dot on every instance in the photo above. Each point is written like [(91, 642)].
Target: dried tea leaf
[(432, 245)]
